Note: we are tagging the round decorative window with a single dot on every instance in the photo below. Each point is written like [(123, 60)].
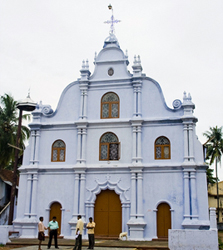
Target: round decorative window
[(110, 71)]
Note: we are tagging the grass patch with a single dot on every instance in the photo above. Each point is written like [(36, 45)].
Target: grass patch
[(220, 243)]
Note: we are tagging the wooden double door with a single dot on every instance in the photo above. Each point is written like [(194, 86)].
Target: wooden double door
[(108, 214)]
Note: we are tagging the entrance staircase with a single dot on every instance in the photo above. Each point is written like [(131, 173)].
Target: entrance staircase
[(102, 243)]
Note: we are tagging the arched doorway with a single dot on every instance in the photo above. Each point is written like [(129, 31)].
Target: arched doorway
[(108, 214), (163, 220), (55, 210)]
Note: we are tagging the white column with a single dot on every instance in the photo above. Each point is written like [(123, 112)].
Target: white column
[(193, 195), (36, 161), (186, 196), (84, 137), (191, 144), (85, 104), (78, 145), (185, 143), (34, 192), (139, 195), (82, 197), (76, 192), (139, 144), (139, 102), (134, 101), (28, 195), (133, 195), (33, 138), (134, 144)]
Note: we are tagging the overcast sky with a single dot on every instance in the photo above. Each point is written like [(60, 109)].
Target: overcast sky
[(180, 42)]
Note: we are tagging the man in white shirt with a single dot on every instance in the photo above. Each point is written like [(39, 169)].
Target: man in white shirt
[(79, 230)]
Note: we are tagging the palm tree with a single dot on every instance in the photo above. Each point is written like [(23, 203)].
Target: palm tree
[(8, 130), (214, 152)]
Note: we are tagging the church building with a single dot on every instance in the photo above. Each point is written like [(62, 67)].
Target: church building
[(113, 150)]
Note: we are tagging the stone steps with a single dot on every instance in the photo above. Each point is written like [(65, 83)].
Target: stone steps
[(99, 244)]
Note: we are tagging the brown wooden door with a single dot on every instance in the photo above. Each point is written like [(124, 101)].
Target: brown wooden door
[(55, 210), (108, 214), (163, 220)]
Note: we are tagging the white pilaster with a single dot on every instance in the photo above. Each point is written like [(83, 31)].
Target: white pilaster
[(191, 143), (82, 196), (139, 195), (186, 153), (139, 102), (139, 144), (186, 196), (134, 101), (34, 192), (36, 160), (28, 196), (193, 195), (76, 192), (134, 144), (33, 138), (79, 145), (84, 137), (85, 104), (81, 104), (133, 195)]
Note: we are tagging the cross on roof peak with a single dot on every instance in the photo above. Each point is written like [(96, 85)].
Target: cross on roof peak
[(112, 21)]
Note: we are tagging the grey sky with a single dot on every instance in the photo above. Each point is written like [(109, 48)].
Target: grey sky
[(180, 42)]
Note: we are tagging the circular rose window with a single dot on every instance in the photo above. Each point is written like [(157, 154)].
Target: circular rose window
[(110, 72)]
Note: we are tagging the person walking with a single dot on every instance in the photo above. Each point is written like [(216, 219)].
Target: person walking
[(79, 230), (53, 226), (41, 229), (90, 227)]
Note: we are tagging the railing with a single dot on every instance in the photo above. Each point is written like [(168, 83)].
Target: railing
[(4, 215)]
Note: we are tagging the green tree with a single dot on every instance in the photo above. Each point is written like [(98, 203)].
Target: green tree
[(214, 152), (8, 130), (210, 179)]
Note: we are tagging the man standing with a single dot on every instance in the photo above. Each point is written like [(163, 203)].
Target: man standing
[(53, 226), (90, 227), (41, 229), (79, 230)]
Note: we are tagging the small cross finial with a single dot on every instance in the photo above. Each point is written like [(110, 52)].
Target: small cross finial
[(112, 21)]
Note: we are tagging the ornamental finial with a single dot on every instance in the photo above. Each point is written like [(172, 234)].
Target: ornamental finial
[(112, 21)]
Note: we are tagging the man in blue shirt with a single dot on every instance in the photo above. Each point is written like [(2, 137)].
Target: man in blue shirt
[(53, 226)]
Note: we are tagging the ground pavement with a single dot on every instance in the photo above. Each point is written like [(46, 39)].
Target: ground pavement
[(69, 248)]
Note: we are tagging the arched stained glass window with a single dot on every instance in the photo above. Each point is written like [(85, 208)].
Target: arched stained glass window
[(58, 151), (110, 106), (162, 148), (109, 147)]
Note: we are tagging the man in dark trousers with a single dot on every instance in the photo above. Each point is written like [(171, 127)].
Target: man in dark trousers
[(90, 227), (53, 226), (79, 230)]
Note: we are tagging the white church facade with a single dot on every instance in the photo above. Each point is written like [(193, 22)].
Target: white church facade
[(113, 150)]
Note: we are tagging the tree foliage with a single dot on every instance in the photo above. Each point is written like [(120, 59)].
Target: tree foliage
[(210, 179), (214, 152), (214, 144), (8, 130)]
